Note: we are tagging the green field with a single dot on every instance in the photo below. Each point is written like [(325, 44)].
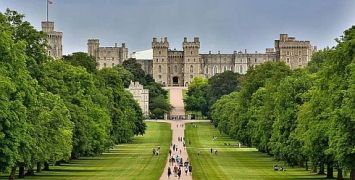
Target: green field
[(126, 161), (232, 162)]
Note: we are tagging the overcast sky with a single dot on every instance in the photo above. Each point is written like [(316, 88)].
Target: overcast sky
[(224, 25)]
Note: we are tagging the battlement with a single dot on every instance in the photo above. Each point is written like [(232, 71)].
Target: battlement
[(93, 41), (193, 44), (47, 26), (163, 43)]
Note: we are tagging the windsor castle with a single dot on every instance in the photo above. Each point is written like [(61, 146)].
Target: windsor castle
[(179, 67)]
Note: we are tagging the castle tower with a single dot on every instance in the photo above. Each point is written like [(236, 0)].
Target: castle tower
[(54, 40), (93, 48), (192, 60), (160, 60)]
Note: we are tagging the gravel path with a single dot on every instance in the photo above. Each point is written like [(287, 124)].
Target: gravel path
[(177, 127)]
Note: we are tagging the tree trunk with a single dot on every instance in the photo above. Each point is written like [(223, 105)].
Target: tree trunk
[(21, 172), (321, 169), (30, 172), (314, 168), (46, 166), (352, 174), (340, 174), (12, 173), (330, 174), (306, 165), (39, 166)]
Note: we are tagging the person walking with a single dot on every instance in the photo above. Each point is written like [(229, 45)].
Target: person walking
[(169, 172), (169, 152), (190, 169), (211, 150), (186, 169), (175, 170), (179, 172)]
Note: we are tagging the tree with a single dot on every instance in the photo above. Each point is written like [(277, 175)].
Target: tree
[(82, 59)]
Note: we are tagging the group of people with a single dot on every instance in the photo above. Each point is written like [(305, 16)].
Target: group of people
[(279, 168), (177, 165), (156, 151)]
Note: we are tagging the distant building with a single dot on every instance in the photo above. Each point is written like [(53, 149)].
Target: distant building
[(141, 95), (54, 39), (178, 68), (107, 56)]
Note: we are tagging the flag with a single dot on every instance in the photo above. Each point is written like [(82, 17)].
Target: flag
[(49, 2)]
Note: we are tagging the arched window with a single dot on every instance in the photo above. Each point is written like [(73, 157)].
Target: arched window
[(215, 70), (160, 68), (191, 69)]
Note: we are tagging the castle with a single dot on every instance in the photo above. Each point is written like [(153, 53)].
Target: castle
[(179, 67), (54, 39), (107, 56), (141, 95)]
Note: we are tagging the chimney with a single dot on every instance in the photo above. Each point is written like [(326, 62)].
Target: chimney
[(185, 39), (196, 39), (154, 39), (245, 51), (123, 45)]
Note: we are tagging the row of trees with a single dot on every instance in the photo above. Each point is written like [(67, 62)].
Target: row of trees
[(298, 116), (203, 93), (53, 111)]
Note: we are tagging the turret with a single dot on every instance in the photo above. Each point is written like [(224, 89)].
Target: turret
[(93, 47)]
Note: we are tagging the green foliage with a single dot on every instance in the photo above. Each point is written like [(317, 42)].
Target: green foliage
[(202, 93), (81, 59)]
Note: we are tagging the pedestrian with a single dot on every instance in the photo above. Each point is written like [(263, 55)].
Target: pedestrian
[(186, 169), (175, 170), (180, 151), (179, 172), (190, 169), (211, 150), (169, 152), (169, 172)]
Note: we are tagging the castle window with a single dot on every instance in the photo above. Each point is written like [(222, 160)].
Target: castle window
[(160, 68), (162, 60), (159, 52), (287, 53), (175, 69), (159, 76), (113, 59), (299, 52), (299, 60), (157, 60), (188, 60), (288, 60), (191, 52), (215, 70), (191, 69)]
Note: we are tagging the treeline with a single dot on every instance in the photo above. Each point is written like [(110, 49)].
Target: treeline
[(302, 117), (56, 110)]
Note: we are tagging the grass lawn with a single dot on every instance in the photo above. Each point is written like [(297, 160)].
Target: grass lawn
[(232, 162), (126, 161)]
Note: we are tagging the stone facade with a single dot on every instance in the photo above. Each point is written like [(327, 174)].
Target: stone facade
[(141, 95), (54, 38), (178, 68), (107, 56)]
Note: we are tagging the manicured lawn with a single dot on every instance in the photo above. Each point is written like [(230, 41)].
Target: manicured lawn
[(126, 161), (232, 162)]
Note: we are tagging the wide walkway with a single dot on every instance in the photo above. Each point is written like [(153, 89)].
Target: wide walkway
[(177, 127)]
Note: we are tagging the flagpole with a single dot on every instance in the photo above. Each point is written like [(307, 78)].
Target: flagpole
[(47, 10)]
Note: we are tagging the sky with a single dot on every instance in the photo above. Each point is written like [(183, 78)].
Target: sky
[(222, 25)]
